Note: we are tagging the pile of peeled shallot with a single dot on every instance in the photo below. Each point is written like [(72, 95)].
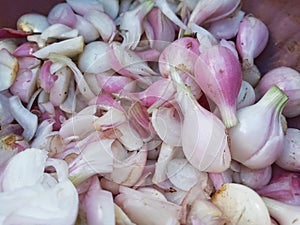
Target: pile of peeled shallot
[(147, 112)]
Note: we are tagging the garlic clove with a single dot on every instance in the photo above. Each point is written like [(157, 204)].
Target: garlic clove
[(204, 212), (86, 29), (58, 31), (182, 174), (179, 55), (59, 91), (144, 208), (162, 29), (252, 38)]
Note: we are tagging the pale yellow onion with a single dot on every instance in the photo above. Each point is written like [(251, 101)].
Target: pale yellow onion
[(241, 205)]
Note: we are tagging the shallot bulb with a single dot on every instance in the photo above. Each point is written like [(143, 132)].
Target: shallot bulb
[(219, 75), (290, 156), (227, 27), (288, 80), (259, 146), (251, 40)]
